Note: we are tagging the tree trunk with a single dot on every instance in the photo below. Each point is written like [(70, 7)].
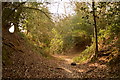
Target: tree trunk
[(95, 27)]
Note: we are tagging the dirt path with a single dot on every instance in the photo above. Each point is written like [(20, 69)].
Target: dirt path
[(64, 62), (86, 70), (67, 58)]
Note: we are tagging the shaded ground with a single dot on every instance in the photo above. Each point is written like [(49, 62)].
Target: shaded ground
[(22, 62)]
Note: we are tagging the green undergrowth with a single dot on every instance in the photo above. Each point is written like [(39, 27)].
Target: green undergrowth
[(35, 48), (85, 55)]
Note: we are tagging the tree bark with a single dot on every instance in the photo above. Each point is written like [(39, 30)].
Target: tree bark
[(95, 27)]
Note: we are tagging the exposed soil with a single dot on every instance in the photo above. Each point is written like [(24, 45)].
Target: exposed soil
[(22, 62)]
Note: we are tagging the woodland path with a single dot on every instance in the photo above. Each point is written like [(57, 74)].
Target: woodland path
[(84, 70), (67, 57), (23, 62), (64, 64)]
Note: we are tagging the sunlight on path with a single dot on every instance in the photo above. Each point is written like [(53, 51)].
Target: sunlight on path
[(68, 58)]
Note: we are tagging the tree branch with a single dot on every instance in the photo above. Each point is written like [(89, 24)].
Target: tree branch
[(38, 10)]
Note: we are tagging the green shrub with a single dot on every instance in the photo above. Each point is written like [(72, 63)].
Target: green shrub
[(86, 54)]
